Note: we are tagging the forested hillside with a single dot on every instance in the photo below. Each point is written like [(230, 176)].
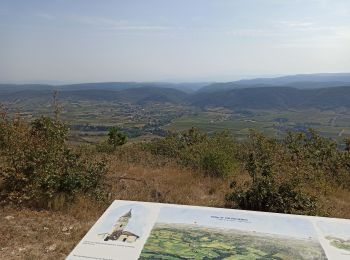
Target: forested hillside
[(249, 98), (275, 98)]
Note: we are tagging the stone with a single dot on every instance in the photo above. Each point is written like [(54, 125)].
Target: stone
[(51, 248), (64, 229)]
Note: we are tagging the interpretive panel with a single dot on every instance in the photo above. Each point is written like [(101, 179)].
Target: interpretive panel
[(142, 230)]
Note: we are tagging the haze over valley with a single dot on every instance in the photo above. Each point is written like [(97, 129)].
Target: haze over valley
[(270, 105)]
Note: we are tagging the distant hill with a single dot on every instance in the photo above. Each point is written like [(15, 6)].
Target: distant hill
[(299, 91), (274, 98), (10, 88), (302, 81), (137, 95), (186, 87)]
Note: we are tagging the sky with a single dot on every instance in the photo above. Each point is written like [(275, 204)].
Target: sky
[(61, 41)]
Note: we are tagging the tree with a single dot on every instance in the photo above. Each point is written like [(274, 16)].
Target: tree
[(116, 137), (271, 189), (38, 168)]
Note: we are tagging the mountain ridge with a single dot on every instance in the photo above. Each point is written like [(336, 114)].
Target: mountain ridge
[(302, 81), (263, 93)]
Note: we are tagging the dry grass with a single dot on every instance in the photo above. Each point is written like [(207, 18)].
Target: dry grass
[(338, 203), (33, 234), (166, 184), (133, 175), (30, 234)]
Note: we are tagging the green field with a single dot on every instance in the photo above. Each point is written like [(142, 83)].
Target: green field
[(330, 123), (180, 241), (150, 118)]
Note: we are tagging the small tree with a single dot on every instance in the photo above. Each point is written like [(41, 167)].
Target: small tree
[(38, 166), (116, 137), (213, 155), (217, 156), (270, 190)]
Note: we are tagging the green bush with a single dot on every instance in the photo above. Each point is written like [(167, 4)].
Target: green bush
[(214, 155), (180, 146), (266, 194), (38, 166), (216, 164), (319, 156), (115, 139), (272, 188), (218, 158), (310, 148)]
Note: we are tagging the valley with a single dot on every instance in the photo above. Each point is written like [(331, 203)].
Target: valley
[(272, 106), (90, 120)]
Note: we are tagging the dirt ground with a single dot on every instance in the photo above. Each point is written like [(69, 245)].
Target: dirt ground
[(42, 234), (31, 234)]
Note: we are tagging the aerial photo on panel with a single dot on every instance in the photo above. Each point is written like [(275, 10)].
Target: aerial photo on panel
[(209, 234)]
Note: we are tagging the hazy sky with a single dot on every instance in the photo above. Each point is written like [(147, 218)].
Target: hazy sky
[(178, 40)]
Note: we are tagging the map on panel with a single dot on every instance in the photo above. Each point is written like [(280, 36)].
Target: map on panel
[(140, 230)]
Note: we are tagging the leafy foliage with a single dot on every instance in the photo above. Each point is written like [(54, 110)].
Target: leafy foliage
[(115, 139), (38, 166), (289, 175), (213, 155), (266, 195), (286, 175), (218, 158)]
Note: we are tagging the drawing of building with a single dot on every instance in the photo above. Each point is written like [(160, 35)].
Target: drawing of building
[(119, 233)]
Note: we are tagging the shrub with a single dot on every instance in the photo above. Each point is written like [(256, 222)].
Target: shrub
[(266, 194), (38, 165), (218, 158), (271, 188), (319, 156), (115, 139), (181, 146), (214, 155), (309, 147), (216, 164)]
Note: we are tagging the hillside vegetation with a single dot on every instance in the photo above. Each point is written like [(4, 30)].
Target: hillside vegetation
[(301, 81), (324, 91), (246, 98), (275, 98), (55, 191)]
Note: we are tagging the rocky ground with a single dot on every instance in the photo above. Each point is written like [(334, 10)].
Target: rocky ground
[(31, 234)]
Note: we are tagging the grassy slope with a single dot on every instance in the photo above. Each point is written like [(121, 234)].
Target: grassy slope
[(133, 175), (31, 233)]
